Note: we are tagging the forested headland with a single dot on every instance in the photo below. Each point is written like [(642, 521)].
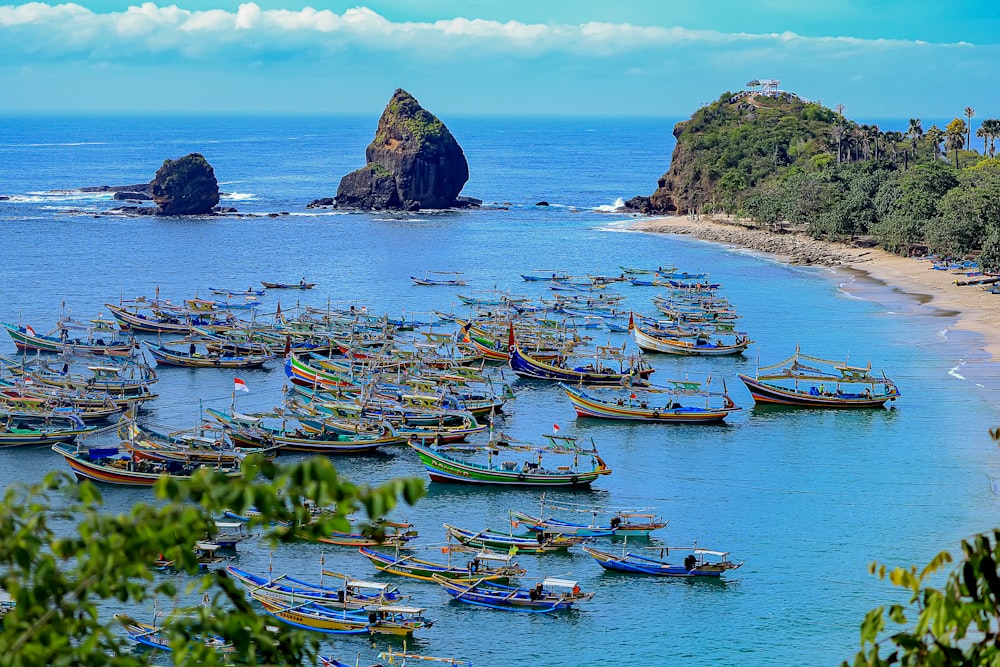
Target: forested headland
[(782, 161)]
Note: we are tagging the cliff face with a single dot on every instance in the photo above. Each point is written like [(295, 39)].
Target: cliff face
[(414, 162), (729, 147), (186, 186)]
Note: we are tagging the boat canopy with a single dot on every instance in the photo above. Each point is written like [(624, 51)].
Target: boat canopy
[(552, 582)]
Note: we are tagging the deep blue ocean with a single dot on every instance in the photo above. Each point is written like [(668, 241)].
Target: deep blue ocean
[(807, 499)]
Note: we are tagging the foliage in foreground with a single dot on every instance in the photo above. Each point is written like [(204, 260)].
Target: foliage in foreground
[(66, 560), (958, 624)]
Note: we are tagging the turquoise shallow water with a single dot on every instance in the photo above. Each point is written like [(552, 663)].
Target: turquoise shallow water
[(806, 499)]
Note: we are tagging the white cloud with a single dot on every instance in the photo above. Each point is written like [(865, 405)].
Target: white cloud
[(40, 30)]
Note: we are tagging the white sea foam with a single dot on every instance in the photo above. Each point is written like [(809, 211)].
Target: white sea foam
[(954, 372), (605, 208), (237, 196)]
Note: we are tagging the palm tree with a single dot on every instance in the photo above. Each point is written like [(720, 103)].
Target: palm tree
[(935, 135), (969, 113), (954, 137), (992, 126), (876, 135), (984, 134), (915, 132)]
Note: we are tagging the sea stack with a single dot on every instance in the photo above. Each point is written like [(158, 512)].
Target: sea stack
[(414, 162), (186, 186)]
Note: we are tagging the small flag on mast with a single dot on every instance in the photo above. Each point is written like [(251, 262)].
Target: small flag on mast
[(555, 428), (240, 385)]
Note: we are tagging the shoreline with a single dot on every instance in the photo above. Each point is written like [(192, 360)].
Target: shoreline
[(974, 309)]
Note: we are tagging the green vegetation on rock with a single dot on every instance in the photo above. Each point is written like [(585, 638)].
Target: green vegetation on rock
[(782, 160)]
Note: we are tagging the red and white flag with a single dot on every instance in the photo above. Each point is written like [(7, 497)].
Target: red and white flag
[(27, 327), (240, 385), (555, 428)]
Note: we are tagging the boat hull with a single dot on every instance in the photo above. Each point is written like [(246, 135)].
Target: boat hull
[(770, 394)]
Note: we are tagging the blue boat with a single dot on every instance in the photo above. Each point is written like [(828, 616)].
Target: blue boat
[(547, 596), (698, 563)]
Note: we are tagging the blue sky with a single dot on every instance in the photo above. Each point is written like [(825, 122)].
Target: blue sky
[(885, 59)]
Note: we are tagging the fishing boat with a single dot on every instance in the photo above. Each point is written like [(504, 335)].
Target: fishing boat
[(674, 404), (153, 636), (402, 658), (349, 593), (482, 565), (26, 340), (456, 281), (302, 284), (395, 620), (697, 342), (508, 543), (189, 354), (549, 595), (698, 563), (309, 435), (805, 381), (632, 369), (250, 291), (501, 470), (157, 320), (109, 465), (621, 524), (22, 433)]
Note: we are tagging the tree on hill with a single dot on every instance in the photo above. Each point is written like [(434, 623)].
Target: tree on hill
[(954, 137), (969, 114), (64, 559), (935, 135)]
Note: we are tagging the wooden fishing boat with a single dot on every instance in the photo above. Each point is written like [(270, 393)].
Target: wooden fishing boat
[(652, 404), (804, 381), (153, 636), (26, 340), (621, 524), (302, 284), (21, 433), (507, 543), (166, 354), (483, 565), (549, 595), (633, 369), (701, 344), (176, 321), (446, 282), (109, 465), (698, 563), (125, 384), (317, 438), (250, 291), (403, 658), (348, 594), (395, 620), (445, 468)]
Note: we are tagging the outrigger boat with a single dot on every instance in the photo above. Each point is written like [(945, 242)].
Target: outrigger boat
[(506, 543), (383, 619), (302, 284), (109, 466), (636, 370), (445, 468), (652, 404), (805, 381), (20, 433), (698, 563), (402, 658), (351, 594), (152, 636), (447, 282), (622, 522), (192, 357), (547, 596), (311, 435), (26, 340), (483, 565)]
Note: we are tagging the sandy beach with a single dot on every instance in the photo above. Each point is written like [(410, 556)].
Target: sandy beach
[(977, 310)]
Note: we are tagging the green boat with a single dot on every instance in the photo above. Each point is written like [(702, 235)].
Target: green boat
[(538, 543), (500, 568)]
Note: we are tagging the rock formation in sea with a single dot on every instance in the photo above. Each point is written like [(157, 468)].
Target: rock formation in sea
[(186, 186), (414, 162)]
